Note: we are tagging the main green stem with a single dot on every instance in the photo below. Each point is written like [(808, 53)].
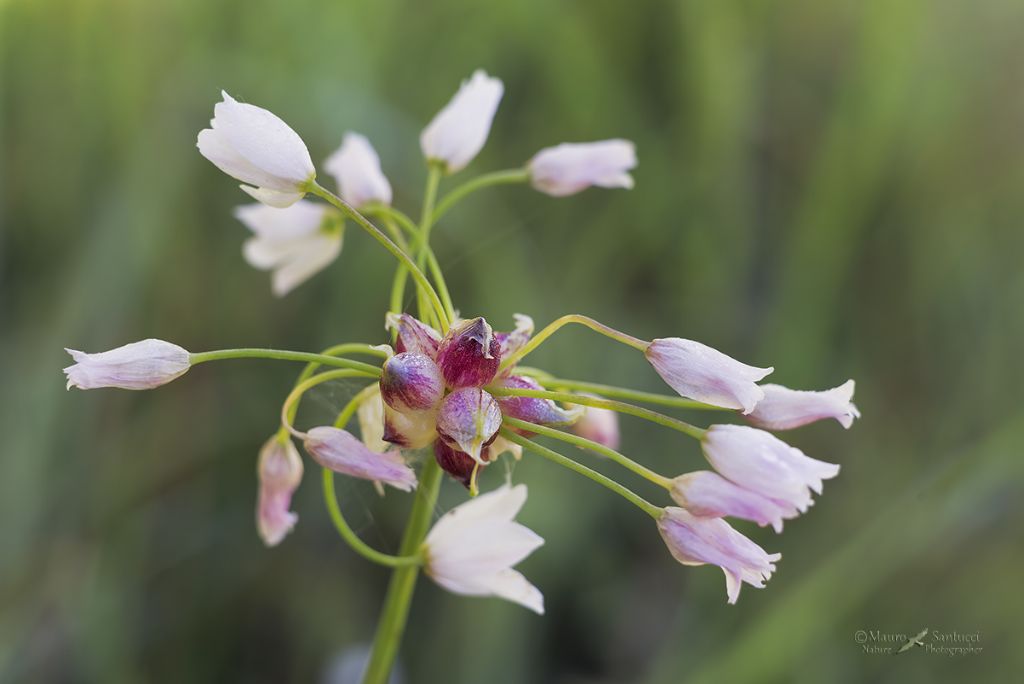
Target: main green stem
[(403, 580), (395, 612)]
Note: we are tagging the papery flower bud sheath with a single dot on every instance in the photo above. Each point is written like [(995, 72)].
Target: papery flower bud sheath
[(697, 371), (571, 167), (340, 451), (254, 146), (761, 462), (294, 243), (532, 409), (411, 382), (709, 495), (413, 335), (356, 168), (469, 355), (280, 472), (459, 131), (413, 430), (511, 342), (370, 415), (784, 409), (598, 425), (696, 541), (469, 419), (472, 549), (136, 366)]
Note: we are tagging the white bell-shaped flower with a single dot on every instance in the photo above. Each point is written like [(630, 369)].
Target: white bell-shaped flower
[(459, 131), (295, 243), (356, 169), (472, 548), (256, 147)]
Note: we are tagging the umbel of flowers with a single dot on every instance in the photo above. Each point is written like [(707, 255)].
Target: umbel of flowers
[(454, 387)]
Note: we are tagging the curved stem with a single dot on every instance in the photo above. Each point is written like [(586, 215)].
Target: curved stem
[(634, 498), (395, 612), (421, 280), (287, 412), (553, 327), (282, 355), (621, 407), (336, 350), (583, 443), (480, 182), (624, 393), (357, 544)]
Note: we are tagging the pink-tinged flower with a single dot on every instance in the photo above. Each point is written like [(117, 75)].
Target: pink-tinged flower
[(295, 243), (280, 472), (468, 419), (412, 430), (356, 168), (472, 549), (763, 463), (709, 495), (571, 167), (469, 355), (413, 335), (341, 452), (459, 131), (598, 425), (697, 371), (532, 409), (136, 366), (696, 541), (411, 382), (784, 409), (254, 146), (511, 342)]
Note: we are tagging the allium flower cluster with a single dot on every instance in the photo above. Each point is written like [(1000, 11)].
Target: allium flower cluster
[(449, 393)]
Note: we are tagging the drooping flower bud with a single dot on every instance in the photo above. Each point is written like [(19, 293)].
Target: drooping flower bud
[(280, 472), (784, 409), (695, 541), (295, 243), (356, 168), (763, 463), (599, 425), (469, 354), (413, 430), (411, 382), (413, 335), (697, 371), (571, 167), (254, 146), (460, 129), (709, 495), (532, 409), (469, 419), (472, 549), (136, 366), (340, 451)]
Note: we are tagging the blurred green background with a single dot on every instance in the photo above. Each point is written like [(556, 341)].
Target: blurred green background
[(834, 189)]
